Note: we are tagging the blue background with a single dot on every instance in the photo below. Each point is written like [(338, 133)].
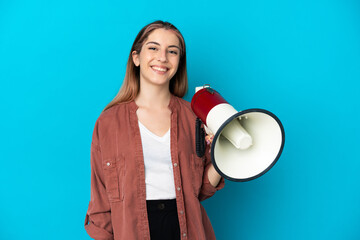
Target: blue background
[(61, 62)]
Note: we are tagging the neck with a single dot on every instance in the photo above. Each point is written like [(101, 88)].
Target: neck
[(152, 96)]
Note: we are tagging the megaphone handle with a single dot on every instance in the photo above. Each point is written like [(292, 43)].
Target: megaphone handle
[(199, 138)]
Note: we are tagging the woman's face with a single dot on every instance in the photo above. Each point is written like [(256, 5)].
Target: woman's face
[(159, 57)]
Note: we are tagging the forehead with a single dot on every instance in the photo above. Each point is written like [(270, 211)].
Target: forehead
[(163, 37)]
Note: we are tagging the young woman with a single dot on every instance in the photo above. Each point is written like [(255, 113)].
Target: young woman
[(146, 179)]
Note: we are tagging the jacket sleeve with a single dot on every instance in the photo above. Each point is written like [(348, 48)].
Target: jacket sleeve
[(207, 190), (98, 218)]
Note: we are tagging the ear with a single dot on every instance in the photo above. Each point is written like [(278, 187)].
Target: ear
[(135, 57)]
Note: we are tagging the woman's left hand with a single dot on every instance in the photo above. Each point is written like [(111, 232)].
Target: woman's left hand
[(209, 138)]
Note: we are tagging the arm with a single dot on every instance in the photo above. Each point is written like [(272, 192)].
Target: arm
[(98, 218), (212, 181), (213, 176)]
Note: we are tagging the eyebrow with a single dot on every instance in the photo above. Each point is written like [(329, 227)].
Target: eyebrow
[(156, 43)]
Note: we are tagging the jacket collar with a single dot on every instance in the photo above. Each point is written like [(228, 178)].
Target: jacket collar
[(171, 106)]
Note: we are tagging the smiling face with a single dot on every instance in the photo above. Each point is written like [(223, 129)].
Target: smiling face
[(159, 57)]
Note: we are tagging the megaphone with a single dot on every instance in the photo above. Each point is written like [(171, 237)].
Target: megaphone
[(246, 144)]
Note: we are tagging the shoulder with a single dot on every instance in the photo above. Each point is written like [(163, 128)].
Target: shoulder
[(117, 111), (184, 107), (112, 121)]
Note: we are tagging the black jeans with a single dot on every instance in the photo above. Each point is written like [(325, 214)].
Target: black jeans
[(163, 219)]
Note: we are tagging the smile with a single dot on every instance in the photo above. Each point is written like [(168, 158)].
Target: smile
[(160, 69)]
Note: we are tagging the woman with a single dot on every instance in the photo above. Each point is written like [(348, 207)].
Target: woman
[(146, 179)]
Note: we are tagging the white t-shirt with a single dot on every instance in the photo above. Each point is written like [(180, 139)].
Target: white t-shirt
[(159, 176)]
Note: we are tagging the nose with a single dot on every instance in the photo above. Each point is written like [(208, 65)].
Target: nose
[(162, 56)]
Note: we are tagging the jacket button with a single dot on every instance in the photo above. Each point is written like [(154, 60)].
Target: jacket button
[(175, 164), (178, 189), (108, 164)]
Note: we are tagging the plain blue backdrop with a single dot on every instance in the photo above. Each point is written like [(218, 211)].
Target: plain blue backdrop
[(61, 62)]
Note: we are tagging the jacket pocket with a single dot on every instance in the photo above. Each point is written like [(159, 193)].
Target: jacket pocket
[(114, 175), (197, 167)]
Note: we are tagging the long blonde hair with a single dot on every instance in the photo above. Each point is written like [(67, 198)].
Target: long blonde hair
[(131, 85)]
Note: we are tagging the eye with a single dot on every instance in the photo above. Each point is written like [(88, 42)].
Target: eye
[(152, 48), (173, 52)]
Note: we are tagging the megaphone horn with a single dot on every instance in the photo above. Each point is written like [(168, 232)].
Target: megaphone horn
[(246, 143)]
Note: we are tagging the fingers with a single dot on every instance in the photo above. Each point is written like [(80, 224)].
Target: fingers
[(209, 138)]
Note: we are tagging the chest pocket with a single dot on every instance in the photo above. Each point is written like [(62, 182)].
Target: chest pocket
[(197, 167), (114, 171)]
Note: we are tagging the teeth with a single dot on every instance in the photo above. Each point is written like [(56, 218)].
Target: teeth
[(160, 69)]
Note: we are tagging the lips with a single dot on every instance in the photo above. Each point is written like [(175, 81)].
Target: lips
[(159, 69)]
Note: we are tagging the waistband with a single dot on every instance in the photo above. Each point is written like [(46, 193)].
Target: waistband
[(161, 205)]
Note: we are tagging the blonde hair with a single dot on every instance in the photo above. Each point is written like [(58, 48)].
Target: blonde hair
[(130, 88)]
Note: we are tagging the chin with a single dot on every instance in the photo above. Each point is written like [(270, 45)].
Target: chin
[(160, 82)]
